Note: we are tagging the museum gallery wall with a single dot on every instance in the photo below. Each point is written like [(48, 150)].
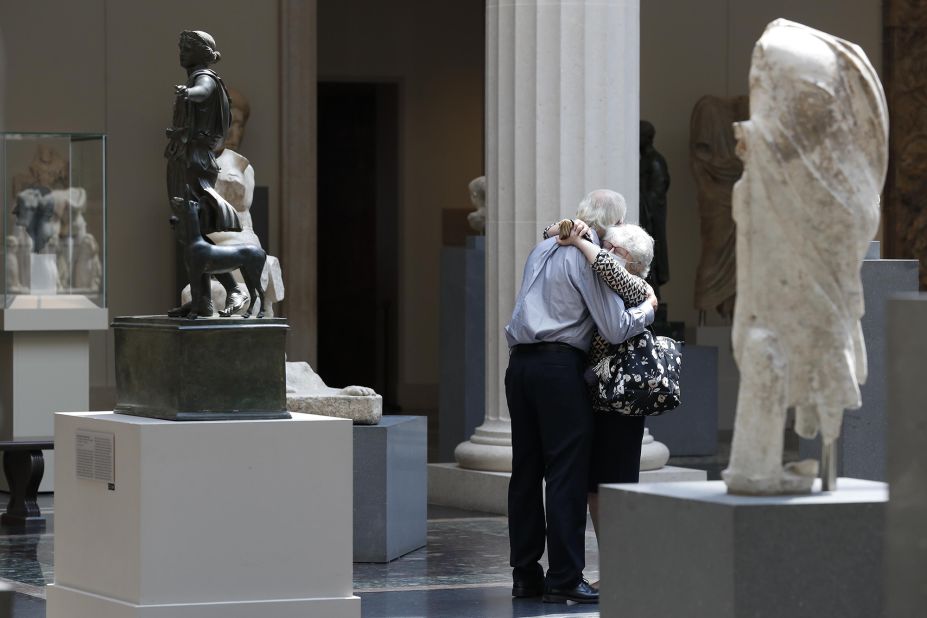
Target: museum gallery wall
[(109, 54)]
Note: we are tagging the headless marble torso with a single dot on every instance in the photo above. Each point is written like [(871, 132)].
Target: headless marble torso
[(815, 156)]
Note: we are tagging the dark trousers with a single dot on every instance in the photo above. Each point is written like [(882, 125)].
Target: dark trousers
[(551, 435), (616, 449)]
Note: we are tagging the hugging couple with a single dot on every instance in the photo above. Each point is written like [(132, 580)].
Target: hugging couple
[(579, 297)]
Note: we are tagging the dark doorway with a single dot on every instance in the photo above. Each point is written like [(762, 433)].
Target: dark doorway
[(358, 235)]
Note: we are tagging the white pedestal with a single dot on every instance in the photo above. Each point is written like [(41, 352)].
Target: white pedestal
[(221, 519), (44, 366)]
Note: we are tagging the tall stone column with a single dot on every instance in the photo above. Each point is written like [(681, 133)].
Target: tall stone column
[(562, 114)]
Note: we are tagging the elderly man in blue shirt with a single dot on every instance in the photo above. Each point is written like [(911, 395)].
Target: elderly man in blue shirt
[(560, 303)]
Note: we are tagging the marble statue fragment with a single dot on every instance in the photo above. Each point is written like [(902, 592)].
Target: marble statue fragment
[(50, 250), (477, 218), (815, 153), (716, 168), (236, 184), (307, 392), (48, 169)]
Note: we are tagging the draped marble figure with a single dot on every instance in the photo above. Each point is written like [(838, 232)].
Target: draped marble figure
[(715, 168), (815, 152)]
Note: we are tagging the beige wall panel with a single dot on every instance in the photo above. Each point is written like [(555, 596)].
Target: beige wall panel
[(683, 57), (54, 74), (859, 21), (689, 49), (110, 67)]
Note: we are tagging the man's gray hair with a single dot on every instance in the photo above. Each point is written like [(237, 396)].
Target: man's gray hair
[(601, 209), (636, 241)]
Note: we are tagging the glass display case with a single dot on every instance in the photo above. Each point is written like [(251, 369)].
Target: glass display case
[(54, 220)]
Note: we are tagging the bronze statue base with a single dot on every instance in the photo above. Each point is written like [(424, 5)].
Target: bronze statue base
[(208, 369)]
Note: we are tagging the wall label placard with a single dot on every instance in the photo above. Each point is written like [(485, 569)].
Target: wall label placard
[(96, 456)]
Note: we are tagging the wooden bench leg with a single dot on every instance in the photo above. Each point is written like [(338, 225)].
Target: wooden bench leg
[(23, 470)]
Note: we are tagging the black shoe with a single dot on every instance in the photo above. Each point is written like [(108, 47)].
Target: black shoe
[(580, 593), (526, 587)]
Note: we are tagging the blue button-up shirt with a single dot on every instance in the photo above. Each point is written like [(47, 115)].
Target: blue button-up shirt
[(563, 300)]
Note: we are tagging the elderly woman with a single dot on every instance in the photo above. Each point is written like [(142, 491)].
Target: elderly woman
[(622, 262)]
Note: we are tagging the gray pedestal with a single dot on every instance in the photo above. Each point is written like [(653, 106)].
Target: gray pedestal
[(390, 483), (463, 326), (906, 543), (689, 549), (692, 428), (861, 447), (728, 378), (201, 370)]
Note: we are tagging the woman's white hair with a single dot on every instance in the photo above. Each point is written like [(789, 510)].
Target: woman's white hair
[(601, 209), (636, 241)]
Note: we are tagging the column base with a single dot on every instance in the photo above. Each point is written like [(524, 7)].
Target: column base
[(489, 449), (484, 457), (654, 455)]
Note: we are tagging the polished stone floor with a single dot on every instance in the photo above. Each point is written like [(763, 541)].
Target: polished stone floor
[(463, 571)]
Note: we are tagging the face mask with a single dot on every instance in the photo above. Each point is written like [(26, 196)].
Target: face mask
[(621, 260)]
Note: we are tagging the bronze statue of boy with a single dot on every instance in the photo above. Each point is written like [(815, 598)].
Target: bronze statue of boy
[(200, 125)]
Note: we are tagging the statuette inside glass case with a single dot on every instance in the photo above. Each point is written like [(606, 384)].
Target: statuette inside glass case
[(54, 219)]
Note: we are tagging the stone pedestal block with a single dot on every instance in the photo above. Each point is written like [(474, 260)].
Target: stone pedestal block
[(463, 349), (204, 519), (728, 378), (906, 543), (701, 553), (692, 428), (390, 503), (862, 443), (204, 369)]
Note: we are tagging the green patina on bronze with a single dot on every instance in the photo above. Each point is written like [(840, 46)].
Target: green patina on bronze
[(201, 370)]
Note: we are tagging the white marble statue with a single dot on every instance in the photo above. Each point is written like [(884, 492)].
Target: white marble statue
[(477, 218), (307, 392), (815, 152), (50, 250), (236, 184), (79, 267)]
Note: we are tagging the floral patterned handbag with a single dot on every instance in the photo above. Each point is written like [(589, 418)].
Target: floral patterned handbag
[(639, 377)]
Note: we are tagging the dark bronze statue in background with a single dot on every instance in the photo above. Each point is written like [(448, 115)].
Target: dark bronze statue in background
[(200, 126), (654, 183)]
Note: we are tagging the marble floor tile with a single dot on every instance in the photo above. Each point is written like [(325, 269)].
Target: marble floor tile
[(494, 601)]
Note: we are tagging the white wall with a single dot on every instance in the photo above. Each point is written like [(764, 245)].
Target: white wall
[(110, 66), (693, 48)]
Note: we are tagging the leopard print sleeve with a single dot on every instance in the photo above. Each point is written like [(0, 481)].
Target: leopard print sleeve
[(631, 289)]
